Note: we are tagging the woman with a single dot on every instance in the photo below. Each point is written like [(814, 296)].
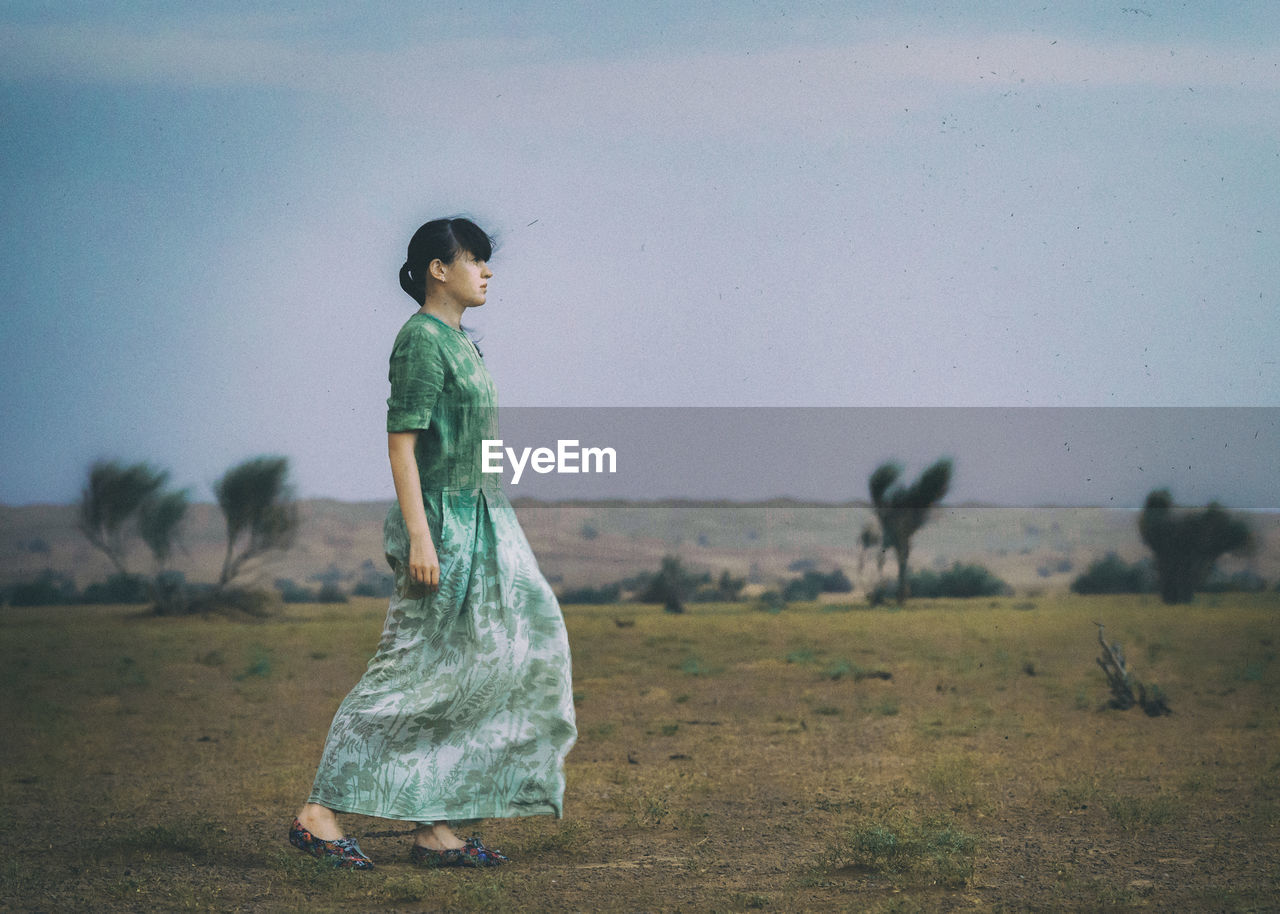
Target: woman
[(466, 709)]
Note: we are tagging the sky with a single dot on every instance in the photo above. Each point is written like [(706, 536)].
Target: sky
[(968, 205)]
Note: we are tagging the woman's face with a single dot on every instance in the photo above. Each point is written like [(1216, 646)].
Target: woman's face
[(466, 280)]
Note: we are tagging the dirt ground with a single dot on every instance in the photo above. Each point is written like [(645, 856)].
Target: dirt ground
[(953, 755)]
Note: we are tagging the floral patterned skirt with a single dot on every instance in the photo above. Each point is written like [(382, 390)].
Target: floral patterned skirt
[(466, 709)]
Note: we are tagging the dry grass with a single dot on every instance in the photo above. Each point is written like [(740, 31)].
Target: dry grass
[(728, 760)]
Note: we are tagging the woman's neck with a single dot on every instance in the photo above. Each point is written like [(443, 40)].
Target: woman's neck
[(446, 310)]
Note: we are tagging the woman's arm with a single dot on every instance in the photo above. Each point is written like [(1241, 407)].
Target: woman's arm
[(424, 564)]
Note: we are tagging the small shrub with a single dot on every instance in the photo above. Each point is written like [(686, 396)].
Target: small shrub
[(884, 592), (609, 593), (259, 664), (330, 593), (1241, 582), (888, 707), (805, 588), (292, 592), (672, 585), (119, 588), (50, 588), (1112, 574), (725, 590), (812, 583), (960, 581), (374, 583), (837, 582), (935, 851), (971, 581), (251, 602), (1132, 812), (693, 666), (839, 670), (771, 602)]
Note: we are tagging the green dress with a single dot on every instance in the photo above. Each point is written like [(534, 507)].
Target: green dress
[(466, 709)]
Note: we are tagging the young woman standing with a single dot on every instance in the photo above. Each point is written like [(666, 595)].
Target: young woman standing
[(466, 709)]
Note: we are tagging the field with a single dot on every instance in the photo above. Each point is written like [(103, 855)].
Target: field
[(946, 756), (595, 543)]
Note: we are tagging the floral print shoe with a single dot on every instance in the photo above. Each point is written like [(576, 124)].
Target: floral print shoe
[(473, 853), (344, 852)]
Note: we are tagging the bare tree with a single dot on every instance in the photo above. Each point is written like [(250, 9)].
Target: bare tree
[(902, 510), (113, 494), (1124, 684), (1187, 544), (257, 502)]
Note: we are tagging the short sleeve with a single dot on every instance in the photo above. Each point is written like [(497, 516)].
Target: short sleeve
[(416, 375)]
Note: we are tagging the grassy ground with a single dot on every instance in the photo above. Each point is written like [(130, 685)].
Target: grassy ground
[(729, 760)]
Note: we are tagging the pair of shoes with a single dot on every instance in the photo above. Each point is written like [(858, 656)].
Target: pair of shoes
[(473, 853), (344, 852)]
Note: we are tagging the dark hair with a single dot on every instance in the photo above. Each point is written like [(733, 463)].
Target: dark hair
[(441, 239)]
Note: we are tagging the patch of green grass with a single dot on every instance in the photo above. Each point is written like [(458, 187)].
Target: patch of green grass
[(693, 665), (1134, 812), (1254, 670), (131, 886), (301, 870), (827, 710), (887, 707), (646, 811), (1075, 795), (126, 673), (199, 843), (839, 669), (1199, 782), (407, 888), (802, 655), (953, 777), (933, 851), (554, 837), (214, 657), (486, 895), (259, 664)]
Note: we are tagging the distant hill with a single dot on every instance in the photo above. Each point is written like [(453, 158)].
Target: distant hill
[(593, 543)]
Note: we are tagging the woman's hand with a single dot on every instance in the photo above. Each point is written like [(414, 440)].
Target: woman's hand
[(424, 564)]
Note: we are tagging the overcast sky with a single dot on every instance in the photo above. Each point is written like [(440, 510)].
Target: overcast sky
[(698, 204)]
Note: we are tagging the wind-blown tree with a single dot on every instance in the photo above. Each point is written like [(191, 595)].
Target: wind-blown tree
[(113, 494), (1186, 544), (902, 510), (671, 586), (158, 521), (868, 539), (257, 502)]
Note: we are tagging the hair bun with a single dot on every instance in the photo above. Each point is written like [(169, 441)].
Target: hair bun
[(415, 288)]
